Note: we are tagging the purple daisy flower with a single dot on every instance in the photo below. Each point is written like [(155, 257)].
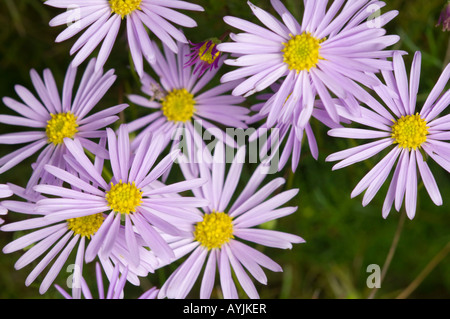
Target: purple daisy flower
[(5, 191), (181, 106), (102, 20), (410, 136), (215, 241), (115, 289), (57, 118), (331, 52), (204, 56), (131, 197), (55, 241)]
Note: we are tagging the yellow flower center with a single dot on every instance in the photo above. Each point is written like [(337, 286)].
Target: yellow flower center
[(85, 226), (124, 198), (301, 52), (61, 125), (124, 7), (207, 56), (178, 105), (410, 131), (215, 230)]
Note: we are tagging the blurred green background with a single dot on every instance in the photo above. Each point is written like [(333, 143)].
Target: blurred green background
[(343, 238)]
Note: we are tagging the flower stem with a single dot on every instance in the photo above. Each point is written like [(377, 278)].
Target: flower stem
[(224, 35), (425, 272), (391, 252)]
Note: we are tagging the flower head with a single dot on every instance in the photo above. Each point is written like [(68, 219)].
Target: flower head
[(330, 52), (204, 56), (182, 107), (54, 118), (130, 204), (102, 20), (412, 138), (54, 241), (217, 239)]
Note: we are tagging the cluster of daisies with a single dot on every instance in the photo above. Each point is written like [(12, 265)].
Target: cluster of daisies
[(99, 194)]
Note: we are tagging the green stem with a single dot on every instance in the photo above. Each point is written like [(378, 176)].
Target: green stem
[(391, 252), (290, 179), (425, 272)]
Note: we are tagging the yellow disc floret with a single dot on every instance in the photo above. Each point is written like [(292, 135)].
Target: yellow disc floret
[(178, 105), (124, 198), (124, 7), (61, 125), (410, 131), (301, 52), (215, 230), (85, 226), (208, 56)]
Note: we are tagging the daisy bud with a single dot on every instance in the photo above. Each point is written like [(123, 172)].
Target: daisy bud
[(444, 18)]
